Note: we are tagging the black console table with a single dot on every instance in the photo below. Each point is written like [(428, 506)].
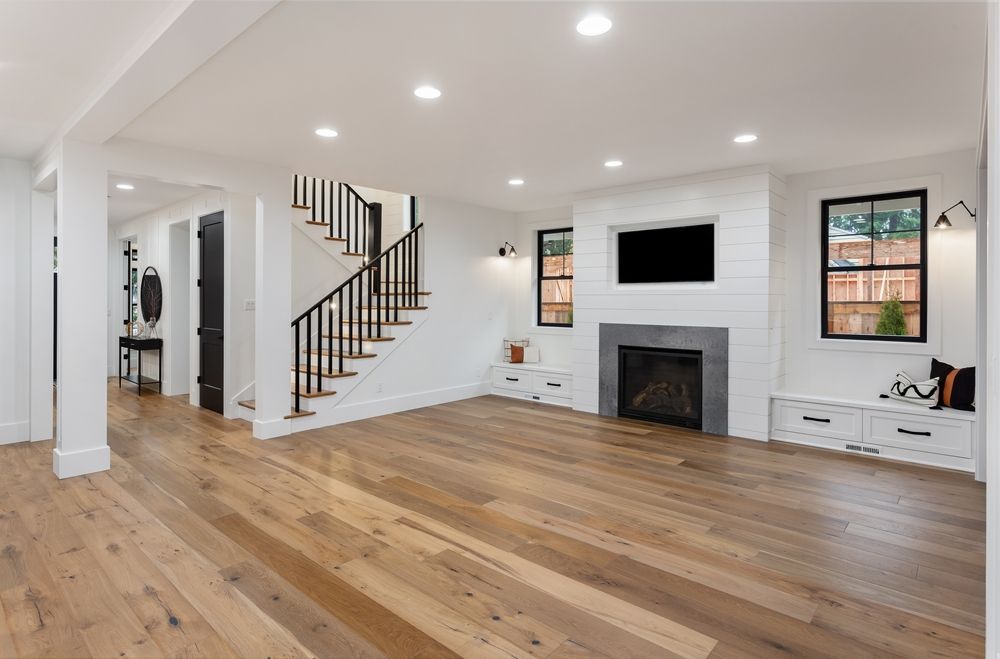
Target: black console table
[(131, 343)]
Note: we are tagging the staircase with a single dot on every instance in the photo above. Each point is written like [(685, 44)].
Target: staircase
[(343, 337)]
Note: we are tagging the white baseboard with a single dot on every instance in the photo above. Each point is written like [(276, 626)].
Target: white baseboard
[(78, 463), (368, 409), (12, 433), (271, 429)]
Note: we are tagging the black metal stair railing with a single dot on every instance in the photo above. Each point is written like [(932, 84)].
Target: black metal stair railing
[(337, 205), (353, 312)]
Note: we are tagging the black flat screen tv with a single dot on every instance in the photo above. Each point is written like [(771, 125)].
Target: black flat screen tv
[(668, 255)]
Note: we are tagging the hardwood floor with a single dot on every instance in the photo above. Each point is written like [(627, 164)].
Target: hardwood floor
[(487, 527)]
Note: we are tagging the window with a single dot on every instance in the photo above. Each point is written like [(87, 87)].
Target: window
[(555, 277), (874, 283)]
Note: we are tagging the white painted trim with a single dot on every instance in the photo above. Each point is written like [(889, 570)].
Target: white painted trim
[(885, 452), (988, 407), (365, 410), (270, 429), (78, 463), (12, 433), (813, 258)]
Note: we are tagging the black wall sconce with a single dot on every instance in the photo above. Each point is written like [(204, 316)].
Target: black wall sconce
[(943, 222), (508, 252)]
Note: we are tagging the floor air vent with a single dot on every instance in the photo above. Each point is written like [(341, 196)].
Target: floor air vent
[(862, 449)]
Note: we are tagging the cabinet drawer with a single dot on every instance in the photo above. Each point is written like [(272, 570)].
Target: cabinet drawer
[(552, 384), (509, 378), (834, 421), (919, 433)]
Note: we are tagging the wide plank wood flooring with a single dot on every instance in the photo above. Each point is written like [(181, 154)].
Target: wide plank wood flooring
[(483, 528)]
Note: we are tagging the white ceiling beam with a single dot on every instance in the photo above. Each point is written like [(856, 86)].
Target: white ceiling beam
[(187, 35)]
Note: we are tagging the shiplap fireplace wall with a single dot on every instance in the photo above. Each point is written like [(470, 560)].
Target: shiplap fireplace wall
[(747, 297)]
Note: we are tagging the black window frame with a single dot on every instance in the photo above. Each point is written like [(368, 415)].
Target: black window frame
[(540, 277), (826, 268)]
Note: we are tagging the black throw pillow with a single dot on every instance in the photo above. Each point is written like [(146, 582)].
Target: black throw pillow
[(956, 386)]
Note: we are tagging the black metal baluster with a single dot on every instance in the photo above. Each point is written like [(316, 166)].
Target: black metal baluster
[(308, 352), (395, 282), (319, 347), (322, 201), (350, 315), (416, 263), (340, 331), (298, 365), (340, 210), (369, 304), (312, 203), (295, 190), (329, 342)]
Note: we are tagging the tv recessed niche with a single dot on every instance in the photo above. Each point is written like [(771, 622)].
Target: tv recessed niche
[(668, 255)]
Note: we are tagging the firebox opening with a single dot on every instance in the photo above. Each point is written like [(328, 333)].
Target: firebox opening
[(660, 384)]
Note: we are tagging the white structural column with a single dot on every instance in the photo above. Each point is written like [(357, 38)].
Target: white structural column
[(273, 317), (43, 216), (82, 302)]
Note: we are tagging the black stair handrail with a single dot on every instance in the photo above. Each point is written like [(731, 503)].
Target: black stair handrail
[(347, 220), (397, 266)]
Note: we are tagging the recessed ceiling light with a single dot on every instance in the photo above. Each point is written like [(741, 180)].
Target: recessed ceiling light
[(125, 186), (426, 91), (326, 132), (612, 163), (593, 25), (745, 139), (516, 181)]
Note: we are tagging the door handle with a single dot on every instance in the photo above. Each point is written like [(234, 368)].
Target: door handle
[(553, 384), (812, 418), (513, 379), (922, 433)]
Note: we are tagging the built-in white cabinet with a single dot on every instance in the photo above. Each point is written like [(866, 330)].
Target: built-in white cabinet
[(884, 428), (545, 384)]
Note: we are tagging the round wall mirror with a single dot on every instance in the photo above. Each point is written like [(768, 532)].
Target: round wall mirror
[(151, 295)]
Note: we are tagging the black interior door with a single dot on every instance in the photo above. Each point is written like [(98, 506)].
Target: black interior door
[(210, 332)]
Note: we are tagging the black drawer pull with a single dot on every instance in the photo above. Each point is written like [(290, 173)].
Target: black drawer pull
[(513, 379), (922, 433), (812, 418), (553, 384)]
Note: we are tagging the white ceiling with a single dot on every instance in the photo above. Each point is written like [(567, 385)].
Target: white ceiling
[(147, 197), (824, 84), (53, 55)]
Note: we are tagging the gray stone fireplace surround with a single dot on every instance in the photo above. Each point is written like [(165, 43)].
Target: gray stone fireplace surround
[(713, 342)]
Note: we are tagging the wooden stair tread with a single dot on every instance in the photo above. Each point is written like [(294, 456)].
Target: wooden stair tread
[(336, 354), (352, 253), (325, 374), (252, 404), (305, 208), (363, 338), (374, 322), (391, 309), (313, 393), (315, 223), (342, 240)]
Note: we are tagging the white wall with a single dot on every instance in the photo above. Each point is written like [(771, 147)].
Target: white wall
[(179, 282), (818, 367), (15, 289), (555, 343), (748, 205), (448, 356)]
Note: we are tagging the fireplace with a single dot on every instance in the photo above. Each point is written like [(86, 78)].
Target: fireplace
[(660, 384)]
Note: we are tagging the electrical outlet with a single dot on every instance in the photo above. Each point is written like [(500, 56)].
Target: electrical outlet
[(378, 388), (249, 305)]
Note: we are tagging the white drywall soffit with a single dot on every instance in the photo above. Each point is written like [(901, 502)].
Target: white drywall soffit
[(637, 93), (102, 63)]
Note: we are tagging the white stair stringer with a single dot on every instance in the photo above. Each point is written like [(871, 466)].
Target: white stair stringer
[(317, 234), (331, 410)]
